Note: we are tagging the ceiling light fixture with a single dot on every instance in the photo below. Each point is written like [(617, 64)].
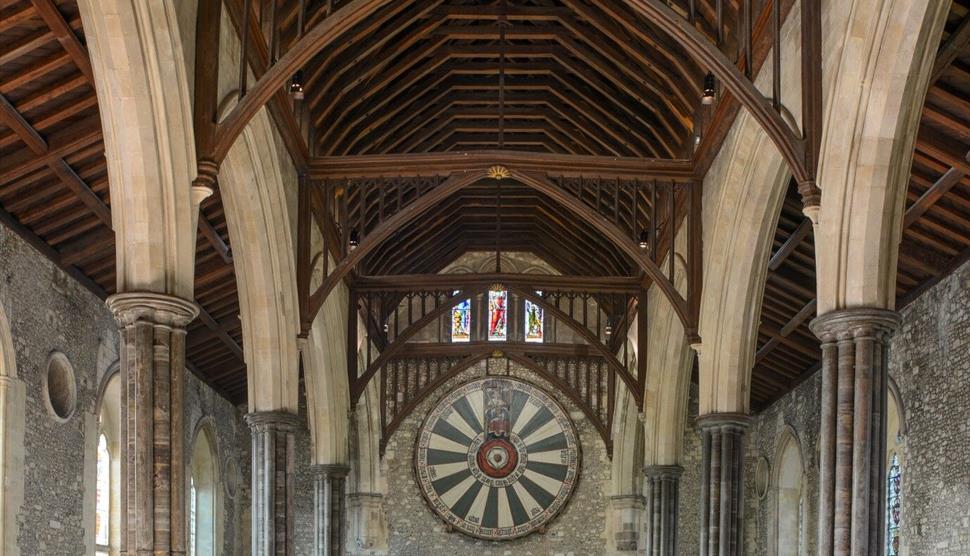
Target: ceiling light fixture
[(296, 85), (644, 240), (710, 90)]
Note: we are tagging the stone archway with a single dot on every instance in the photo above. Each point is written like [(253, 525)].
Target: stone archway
[(12, 400), (788, 530)]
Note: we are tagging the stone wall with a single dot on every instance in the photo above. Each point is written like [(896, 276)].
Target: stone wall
[(689, 514), (303, 483), (930, 364), (49, 312), (415, 530), (796, 414)]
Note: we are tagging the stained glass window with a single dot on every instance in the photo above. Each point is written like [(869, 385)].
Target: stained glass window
[(461, 320), (193, 506), (497, 315), (102, 512), (893, 507), (533, 322)]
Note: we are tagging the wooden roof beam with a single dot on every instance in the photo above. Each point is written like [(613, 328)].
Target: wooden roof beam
[(65, 35), (955, 42), (438, 164), (591, 119)]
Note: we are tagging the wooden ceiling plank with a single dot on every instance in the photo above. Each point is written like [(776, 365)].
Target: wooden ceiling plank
[(65, 35), (800, 233), (12, 118), (675, 84), (955, 43), (12, 19), (10, 115), (34, 72), (231, 344), (390, 86), (933, 194)]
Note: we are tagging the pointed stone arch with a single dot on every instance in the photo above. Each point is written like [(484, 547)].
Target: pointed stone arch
[(205, 476), (788, 531), (146, 118), (889, 48), (259, 212), (12, 399)]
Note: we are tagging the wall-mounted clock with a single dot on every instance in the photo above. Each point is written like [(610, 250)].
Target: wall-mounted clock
[(497, 458)]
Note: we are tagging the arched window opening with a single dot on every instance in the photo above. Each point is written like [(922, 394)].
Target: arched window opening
[(895, 427), (790, 500), (203, 496), (107, 475), (461, 321), (533, 322), (893, 478), (497, 315), (193, 516), (102, 516)]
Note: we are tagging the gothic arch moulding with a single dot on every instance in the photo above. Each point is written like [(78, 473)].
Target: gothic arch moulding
[(12, 400), (146, 117), (867, 143), (789, 497), (254, 188)]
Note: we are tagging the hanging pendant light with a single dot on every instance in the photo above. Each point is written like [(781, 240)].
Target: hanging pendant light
[(710, 90), (354, 240), (644, 242), (296, 85)]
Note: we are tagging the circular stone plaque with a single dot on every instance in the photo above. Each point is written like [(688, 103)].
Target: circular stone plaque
[(497, 458)]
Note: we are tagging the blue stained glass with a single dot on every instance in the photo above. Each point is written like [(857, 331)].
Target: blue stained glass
[(893, 477), (533, 322), (461, 317)]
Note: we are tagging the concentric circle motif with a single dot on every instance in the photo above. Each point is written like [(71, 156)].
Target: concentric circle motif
[(497, 458)]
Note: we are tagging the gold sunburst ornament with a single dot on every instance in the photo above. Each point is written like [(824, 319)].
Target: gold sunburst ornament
[(498, 172)]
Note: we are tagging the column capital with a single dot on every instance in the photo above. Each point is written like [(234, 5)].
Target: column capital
[(285, 421), (155, 308), (330, 470), (663, 471), (717, 420), (857, 322)]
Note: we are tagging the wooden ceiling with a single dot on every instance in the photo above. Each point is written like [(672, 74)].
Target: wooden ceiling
[(577, 77), (54, 180), (936, 228)]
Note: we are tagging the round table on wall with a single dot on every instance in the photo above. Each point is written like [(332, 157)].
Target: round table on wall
[(497, 458)]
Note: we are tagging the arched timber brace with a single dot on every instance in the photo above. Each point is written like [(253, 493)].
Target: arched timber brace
[(639, 218), (623, 239), (420, 370), (357, 242), (272, 81), (800, 151), (409, 348), (622, 70)]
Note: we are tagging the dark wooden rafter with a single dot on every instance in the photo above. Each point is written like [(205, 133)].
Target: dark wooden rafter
[(432, 164), (423, 368)]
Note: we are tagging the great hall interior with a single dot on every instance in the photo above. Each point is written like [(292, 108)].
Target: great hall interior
[(499, 277)]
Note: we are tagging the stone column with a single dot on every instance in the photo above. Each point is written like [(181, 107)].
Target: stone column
[(329, 512), (722, 483), (153, 370), (663, 503), (273, 481), (852, 438)]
